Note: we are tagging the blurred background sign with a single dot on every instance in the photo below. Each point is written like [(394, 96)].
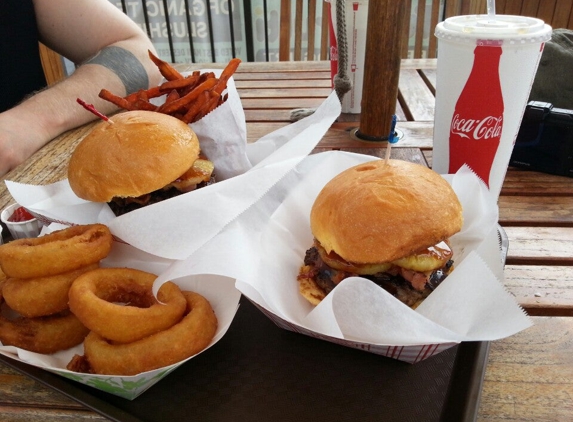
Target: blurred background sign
[(217, 30)]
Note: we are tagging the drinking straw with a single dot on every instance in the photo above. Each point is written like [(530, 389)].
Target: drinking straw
[(491, 10)]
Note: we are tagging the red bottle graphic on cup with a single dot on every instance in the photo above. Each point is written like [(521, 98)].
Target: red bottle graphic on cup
[(477, 122)]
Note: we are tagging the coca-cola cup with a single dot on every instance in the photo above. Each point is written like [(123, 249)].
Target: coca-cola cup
[(356, 22), (485, 71)]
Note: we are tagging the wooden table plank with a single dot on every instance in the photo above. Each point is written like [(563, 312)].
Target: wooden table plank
[(266, 115), (266, 112), (536, 210), (279, 93), (294, 76), (541, 289), (24, 399), (529, 377), (540, 245), (418, 63), (27, 414), (267, 83), (517, 182), (524, 182), (429, 75), (250, 104), (16, 387), (415, 97)]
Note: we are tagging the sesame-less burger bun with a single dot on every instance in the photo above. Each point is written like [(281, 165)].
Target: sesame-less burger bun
[(142, 151), (389, 222), (379, 212)]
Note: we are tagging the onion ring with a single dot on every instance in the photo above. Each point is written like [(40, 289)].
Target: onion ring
[(2, 282), (3, 279), (35, 297), (44, 335), (92, 294), (187, 338), (55, 253)]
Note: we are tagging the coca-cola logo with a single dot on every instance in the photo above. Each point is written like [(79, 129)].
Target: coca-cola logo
[(333, 53), (487, 128)]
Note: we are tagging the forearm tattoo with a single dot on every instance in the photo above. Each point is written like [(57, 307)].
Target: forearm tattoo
[(125, 65)]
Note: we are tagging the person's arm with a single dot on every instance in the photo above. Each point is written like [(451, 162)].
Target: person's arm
[(112, 52)]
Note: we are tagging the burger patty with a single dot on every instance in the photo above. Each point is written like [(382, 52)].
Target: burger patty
[(121, 206), (327, 278)]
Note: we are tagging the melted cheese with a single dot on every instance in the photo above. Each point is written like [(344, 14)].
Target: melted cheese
[(200, 171), (428, 260)]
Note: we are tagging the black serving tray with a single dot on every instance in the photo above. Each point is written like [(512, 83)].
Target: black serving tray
[(258, 372)]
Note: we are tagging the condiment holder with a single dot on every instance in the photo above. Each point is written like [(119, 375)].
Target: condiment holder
[(20, 229)]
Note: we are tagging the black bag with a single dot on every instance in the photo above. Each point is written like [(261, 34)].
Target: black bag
[(545, 139), (553, 81)]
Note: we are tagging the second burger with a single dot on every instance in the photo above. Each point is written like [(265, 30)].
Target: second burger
[(389, 222)]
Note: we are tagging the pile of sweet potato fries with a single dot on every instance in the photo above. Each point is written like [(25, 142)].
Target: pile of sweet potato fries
[(189, 98)]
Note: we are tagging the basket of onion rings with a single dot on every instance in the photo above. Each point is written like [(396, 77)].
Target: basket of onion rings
[(90, 314)]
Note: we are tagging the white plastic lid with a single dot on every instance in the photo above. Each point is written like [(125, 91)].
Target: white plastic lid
[(511, 29)]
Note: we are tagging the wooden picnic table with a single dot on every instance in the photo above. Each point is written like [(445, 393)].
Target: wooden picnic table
[(529, 376)]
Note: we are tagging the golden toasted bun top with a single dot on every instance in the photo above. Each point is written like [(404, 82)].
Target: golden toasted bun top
[(141, 152), (377, 212)]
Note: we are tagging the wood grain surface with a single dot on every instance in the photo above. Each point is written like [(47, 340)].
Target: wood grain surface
[(529, 376)]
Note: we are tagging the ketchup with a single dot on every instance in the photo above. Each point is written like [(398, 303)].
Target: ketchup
[(20, 214)]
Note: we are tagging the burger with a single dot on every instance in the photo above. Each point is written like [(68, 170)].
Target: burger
[(142, 158), (387, 221)]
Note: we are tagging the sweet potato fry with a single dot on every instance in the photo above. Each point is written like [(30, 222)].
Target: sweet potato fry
[(191, 115), (187, 89), (226, 74), (132, 97), (115, 99), (172, 96), (141, 104), (179, 83), (181, 102), (210, 105), (204, 76), (168, 71), (149, 93)]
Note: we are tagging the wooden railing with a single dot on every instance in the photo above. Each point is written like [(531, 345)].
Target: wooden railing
[(557, 13), (297, 40)]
